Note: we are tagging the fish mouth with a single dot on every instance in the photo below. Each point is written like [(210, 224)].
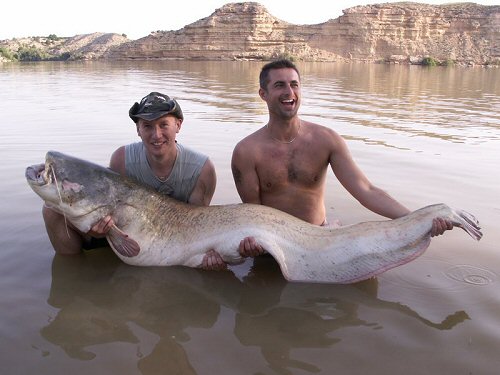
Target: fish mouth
[(39, 174)]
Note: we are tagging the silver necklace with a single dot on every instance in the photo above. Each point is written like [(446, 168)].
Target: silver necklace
[(279, 140)]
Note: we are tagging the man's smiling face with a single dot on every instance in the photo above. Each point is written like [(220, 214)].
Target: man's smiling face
[(282, 93)]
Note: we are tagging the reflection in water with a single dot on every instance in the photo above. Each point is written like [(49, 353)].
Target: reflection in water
[(99, 297), (297, 315), (278, 325), (407, 100), (103, 301), (437, 103)]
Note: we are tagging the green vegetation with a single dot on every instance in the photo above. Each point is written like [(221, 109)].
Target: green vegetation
[(63, 56), (51, 40), (34, 52), (449, 62), (31, 53), (5, 52), (430, 61), (283, 55)]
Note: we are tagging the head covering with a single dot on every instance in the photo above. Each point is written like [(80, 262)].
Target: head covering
[(154, 106)]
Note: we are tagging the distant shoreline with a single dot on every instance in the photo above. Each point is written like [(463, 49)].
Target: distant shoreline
[(462, 34)]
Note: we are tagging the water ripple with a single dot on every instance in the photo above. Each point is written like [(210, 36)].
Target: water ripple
[(471, 275)]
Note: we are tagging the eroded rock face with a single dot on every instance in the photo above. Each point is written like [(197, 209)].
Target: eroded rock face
[(397, 32), (234, 31), (91, 46), (462, 32), (402, 33)]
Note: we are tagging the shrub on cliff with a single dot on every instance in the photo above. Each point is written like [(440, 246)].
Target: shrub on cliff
[(63, 56), (282, 56), (30, 53), (449, 62), (5, 52), (430, 61)]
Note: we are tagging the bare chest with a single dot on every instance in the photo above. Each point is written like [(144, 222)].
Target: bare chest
[(285, 165)]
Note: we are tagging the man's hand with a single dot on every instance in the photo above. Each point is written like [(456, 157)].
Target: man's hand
[(212, 261), (440, 225), (102, 227), (250, 248)]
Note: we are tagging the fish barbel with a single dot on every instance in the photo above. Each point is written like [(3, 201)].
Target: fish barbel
[(152, 229)]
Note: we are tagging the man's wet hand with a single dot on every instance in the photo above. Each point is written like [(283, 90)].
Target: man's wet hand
[(440, 225), (250, 248), (102, 227), (212, 261)]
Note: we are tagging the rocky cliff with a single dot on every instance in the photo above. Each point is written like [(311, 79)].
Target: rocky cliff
[(399, 32), (234, 31), (465, 33)]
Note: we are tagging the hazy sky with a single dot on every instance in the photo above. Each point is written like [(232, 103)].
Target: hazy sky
[(138, 18)]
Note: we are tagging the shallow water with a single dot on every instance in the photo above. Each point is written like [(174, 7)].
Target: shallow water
[(424, 135)]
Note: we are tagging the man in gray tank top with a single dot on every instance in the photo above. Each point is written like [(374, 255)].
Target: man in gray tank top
[(158, 161)]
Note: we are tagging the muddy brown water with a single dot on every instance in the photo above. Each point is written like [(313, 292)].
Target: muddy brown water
[(424, 135)]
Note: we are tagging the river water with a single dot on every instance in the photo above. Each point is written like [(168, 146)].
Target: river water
[(425, 135)]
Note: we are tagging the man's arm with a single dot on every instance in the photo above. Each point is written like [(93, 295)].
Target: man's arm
[(117, 164), (358, 185), (247, 183), (117, 161), (202, 196), (205, 186), (370, 196), (245, 175)]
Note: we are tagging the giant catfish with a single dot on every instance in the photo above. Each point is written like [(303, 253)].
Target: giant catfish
[(152, 229)]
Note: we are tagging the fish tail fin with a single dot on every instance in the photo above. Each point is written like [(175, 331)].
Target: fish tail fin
[(468, 223)]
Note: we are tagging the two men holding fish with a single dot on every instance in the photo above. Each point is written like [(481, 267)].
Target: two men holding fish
[(282, 165)]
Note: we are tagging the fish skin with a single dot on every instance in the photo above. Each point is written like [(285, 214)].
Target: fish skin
[(155, 230)]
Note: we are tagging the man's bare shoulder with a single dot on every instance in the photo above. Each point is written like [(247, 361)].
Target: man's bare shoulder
[(320, 132), (117, 160), (250, 141), (318, 128)]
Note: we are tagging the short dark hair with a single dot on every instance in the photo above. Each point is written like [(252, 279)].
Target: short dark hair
[(276, 64)]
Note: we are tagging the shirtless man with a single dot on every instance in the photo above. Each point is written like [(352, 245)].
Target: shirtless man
[(159, 161), (284, 164)]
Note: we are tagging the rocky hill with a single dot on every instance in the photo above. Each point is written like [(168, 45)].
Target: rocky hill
[(465, 33), (234, 31), (79, 47)]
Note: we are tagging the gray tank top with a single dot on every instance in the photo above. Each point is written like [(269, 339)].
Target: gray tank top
[(182, 179)]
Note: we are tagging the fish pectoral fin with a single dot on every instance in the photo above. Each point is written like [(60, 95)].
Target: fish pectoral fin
[(122, 243)]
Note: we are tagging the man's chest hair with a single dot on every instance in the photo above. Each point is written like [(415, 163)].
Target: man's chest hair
[(278, 173)]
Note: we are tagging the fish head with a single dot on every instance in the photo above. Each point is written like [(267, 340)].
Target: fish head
[(78, 189)]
